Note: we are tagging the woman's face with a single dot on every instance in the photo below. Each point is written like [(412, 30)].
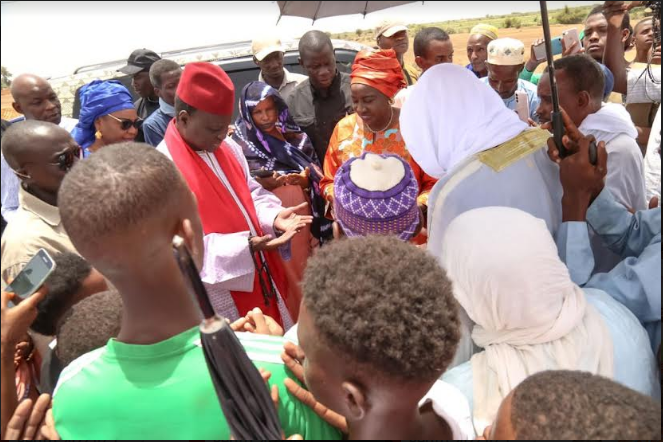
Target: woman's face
[(265, 115), (371, 105), (118, 127)]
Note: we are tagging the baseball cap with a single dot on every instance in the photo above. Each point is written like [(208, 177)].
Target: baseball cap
[(139, 60), (390, 27), (262, 47)]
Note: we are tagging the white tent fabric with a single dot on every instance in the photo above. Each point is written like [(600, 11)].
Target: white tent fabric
[(317, 10)]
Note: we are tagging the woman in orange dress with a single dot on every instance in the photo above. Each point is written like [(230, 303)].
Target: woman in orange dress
[(374, 127)]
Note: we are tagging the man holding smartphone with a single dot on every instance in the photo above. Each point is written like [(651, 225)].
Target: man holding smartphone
[(506, 59), (40, 154)]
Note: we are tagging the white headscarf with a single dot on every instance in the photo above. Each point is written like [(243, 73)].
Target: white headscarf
[(529, 316), (608, 123), (451, 115)]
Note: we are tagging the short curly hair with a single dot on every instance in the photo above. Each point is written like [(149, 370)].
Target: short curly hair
[(89, 325), (385, 303), (66, 280), (567, 405)]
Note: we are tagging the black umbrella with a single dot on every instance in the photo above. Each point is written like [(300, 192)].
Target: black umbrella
[(556, 117), (241, 390)]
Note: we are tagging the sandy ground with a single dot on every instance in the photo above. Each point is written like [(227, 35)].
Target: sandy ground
[(526, 35)]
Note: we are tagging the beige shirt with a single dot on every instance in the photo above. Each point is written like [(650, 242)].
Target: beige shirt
[(36, 225), (290, 82)]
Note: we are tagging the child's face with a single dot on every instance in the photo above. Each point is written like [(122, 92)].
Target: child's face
[(322, 370)]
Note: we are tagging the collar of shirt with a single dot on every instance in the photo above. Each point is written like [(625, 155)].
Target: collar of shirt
[(287, 79), (333, 88), (49, 214), (166, 108)]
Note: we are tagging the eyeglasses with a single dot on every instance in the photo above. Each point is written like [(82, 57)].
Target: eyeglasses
[(66, 159), (126, 124)]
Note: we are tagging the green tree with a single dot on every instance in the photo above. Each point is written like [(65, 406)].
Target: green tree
[(569, 16), (6, 77)]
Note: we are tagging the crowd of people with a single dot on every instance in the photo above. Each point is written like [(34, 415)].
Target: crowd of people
[(403, 252)]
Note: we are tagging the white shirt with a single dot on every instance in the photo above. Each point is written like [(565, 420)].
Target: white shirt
[(640, 88), (228, 262), (451, 405), (653, 160)]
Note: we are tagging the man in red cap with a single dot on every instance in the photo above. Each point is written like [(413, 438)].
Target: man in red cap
[(244, 224)]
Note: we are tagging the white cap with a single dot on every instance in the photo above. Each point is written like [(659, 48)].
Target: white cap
[(262, 47), (376, 173), (390, 27), (506, 52)]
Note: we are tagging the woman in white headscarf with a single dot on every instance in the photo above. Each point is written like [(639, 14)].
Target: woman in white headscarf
[(458, 130), (528, 316)]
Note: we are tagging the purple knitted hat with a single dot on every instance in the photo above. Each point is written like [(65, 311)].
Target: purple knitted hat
[(376, 195)]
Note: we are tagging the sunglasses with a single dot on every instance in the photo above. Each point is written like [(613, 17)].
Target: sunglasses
[(126, 124), (65, 160)]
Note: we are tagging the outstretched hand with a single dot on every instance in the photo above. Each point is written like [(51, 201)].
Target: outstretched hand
[(293, 357)]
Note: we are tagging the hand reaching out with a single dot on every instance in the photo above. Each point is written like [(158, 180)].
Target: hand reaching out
[(293, 357), (274, 393), (17, 320), (32, 421), (299, 179)]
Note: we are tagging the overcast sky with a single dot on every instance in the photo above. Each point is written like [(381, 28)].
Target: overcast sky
[(54, 38)]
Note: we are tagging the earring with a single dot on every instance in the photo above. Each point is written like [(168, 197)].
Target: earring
[(20, 175), (98, 135)]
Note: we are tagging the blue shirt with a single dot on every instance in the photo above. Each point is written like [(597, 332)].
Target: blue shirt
[(154, 127), (636, 281), (532, 97), (471, 69)]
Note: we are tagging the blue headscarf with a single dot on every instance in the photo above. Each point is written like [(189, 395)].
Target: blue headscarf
[(609, 81), (99, 98), (264, 151)]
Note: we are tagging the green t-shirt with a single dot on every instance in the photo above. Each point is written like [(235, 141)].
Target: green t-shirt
[(164, 391)]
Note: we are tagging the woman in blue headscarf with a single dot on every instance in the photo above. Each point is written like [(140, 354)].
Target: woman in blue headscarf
[(282, 158), (107, 116)]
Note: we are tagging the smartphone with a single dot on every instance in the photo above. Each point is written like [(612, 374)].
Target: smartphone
[(262, 173), (522, 106), (570, 37), (33, 275), (540, 49)]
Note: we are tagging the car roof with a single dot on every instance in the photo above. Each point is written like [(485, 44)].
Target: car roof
[(226, 54)]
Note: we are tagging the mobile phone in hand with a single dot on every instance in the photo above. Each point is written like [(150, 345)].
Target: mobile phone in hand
[(570, 37), (522, 106), (33, 275), (540, 49), (262, 173)]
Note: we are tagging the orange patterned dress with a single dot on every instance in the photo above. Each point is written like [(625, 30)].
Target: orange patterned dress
[(351, 138)]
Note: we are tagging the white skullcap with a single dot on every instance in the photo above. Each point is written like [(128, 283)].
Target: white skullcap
[(506, 52)]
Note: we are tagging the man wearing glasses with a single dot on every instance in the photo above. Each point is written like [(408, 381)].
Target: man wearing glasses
[(35, 100), (39, 154)]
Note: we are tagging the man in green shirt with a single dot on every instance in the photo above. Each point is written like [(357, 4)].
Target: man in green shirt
[(122, 208)]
